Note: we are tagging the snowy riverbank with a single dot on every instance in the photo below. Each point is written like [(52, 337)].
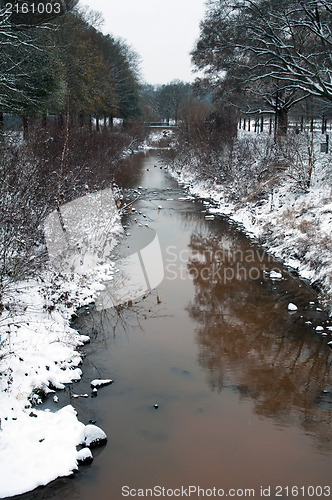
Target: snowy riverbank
[(40, 353), (292, 225)]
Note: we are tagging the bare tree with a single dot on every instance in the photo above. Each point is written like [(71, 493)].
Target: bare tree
[(278, 51)]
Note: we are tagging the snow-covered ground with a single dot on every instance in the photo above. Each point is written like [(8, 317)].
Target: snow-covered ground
[(40, 352), (293, 225)]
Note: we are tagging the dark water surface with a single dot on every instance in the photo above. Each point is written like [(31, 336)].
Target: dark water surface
[(243, 386)]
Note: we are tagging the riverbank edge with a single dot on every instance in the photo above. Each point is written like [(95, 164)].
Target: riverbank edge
[(44, 309), (41, 354), (277, 229)]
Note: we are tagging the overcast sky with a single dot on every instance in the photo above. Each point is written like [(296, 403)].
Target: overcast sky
[(162, 32)]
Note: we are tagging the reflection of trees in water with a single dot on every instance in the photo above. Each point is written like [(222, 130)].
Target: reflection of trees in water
[(104, 325), (248, 342)]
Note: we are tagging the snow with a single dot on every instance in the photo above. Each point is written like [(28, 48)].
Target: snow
[(93, 435), (293, 225), (292, 307), (36, 450), (84, 455), (100, 383), (275, 275), (40, 353), (84, 234)]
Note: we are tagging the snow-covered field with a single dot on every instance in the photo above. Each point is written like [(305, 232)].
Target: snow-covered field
[(293, 225)]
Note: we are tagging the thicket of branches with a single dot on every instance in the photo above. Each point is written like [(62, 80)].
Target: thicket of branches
[(40, 174)]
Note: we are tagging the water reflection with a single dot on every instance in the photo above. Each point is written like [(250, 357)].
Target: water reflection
[(258, 359), (250, 343)]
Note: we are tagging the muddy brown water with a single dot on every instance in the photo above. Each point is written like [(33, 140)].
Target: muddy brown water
[(243, 387)]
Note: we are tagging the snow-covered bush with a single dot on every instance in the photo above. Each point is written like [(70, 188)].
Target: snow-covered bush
[(51, 166), (21, 212)]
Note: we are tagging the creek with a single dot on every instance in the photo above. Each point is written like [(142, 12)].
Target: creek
[(243, 386)]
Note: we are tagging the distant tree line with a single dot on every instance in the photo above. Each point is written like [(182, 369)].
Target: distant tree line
[(164, 102), (64, 65)]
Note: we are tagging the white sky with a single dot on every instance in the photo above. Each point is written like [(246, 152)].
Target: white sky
[(162, 32)]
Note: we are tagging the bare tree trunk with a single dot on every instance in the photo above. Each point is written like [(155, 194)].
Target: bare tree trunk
[(81, 120), (276, 117), (311, 154), (311, 125), (262, 123), (282, 121), (60, 120), (97, 124), (25, 127)]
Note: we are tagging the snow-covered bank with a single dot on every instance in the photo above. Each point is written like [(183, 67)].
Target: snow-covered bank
[(40, 352), (293, 225)]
